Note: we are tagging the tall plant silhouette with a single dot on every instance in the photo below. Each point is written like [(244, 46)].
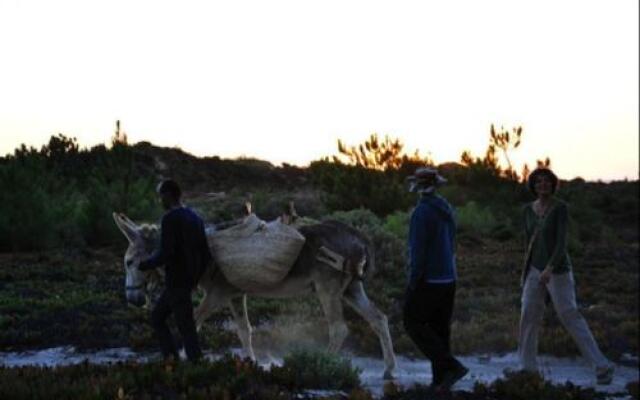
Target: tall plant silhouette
[(382, 155)]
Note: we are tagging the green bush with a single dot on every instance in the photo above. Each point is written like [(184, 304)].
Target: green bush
[(398, 224), (312, 369), (360, 218), (61, 196), (477, 219), (104, 196), (349, 187), (28, 208), (455, 194)]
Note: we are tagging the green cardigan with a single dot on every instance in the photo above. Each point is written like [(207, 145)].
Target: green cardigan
[(550, 246)]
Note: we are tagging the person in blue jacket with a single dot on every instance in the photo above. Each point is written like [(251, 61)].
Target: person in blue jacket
[(431, 272), (185, 255)]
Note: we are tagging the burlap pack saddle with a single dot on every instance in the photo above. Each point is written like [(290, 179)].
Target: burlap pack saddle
[(256, 254)]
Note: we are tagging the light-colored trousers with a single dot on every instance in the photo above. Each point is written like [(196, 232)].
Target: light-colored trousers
[(561, 288)]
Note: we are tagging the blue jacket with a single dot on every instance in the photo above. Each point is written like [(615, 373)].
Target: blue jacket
[(432, 236), (183, 249)]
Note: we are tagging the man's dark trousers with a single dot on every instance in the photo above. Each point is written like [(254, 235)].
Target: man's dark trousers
[(427, 319), (176, 301)]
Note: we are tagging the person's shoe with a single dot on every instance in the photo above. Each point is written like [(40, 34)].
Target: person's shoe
[(604, 375), (435, 389), (452, 376)]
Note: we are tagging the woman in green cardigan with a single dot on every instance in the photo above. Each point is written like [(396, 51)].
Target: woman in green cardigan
[(548, 269)]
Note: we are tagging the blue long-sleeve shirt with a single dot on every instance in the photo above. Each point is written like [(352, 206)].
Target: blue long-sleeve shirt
[(183, 249), (432, 242)]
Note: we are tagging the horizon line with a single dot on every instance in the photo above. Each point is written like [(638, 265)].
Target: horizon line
[(281, 163)]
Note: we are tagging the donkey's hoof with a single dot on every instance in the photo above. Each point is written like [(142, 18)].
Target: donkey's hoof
[(250, 355), (388, 375)]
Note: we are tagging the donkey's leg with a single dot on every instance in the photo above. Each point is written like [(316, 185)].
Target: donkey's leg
[(217, 294), (329, 296), (211, 302), (356, 297), (243, 325)]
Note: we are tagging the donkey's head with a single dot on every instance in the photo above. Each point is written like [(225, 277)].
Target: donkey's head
[(142, 241)]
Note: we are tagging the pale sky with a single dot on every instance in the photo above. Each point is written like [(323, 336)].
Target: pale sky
[(283, 80)]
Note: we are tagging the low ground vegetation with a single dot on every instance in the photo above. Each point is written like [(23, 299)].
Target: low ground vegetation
[(231, 377), (228, 377)]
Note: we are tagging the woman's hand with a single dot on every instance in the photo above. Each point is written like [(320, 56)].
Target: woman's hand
[(545, 276)]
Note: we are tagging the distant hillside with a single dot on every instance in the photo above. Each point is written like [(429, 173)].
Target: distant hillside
[(616, 202), (210, 174)]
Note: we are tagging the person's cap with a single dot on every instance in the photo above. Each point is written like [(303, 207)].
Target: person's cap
[(425, 177)]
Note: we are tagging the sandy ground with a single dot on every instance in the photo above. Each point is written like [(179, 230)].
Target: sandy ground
[(485, 368)]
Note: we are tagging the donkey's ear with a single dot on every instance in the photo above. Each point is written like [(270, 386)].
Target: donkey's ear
[(128, 221), (126, 226)]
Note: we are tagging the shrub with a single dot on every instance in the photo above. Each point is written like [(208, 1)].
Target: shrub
[(455, 194), (359, 218), (348, 187), (474, 218), (103, 196), (27, 209), (62, 196), (312, 369), (398, 224)]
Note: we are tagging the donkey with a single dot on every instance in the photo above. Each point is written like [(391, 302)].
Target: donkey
[(332, 263)]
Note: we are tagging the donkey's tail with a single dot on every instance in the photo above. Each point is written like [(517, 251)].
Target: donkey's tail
[(370, 266)]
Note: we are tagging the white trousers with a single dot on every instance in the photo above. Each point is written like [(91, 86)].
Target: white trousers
[(561, 288)]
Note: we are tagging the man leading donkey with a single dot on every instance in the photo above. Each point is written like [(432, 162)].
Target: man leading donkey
[(185, 254)]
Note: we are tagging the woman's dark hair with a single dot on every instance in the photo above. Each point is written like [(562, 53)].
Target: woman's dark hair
[(538, 172), (171, 187)]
